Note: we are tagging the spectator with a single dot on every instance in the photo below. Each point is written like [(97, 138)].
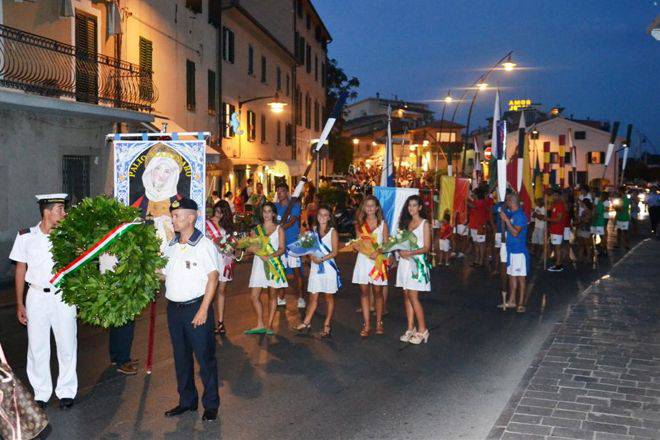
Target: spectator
[(517, 255)]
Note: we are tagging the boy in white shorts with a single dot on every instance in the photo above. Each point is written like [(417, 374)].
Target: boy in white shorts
[(538, 235)]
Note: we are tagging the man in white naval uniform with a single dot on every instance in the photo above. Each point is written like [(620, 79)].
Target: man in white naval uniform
[(43, 308)]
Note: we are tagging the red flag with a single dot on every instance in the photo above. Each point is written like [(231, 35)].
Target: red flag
[(460, 198)]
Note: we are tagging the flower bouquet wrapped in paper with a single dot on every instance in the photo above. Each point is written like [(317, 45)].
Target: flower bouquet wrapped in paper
[(226, 245), (261, 247), (367, 244), (309, 243), (405, 240)]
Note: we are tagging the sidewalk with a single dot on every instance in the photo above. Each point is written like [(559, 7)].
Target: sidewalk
[(597, 376)]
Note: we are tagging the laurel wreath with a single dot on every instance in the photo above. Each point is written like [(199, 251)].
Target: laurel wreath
[(115, 297)]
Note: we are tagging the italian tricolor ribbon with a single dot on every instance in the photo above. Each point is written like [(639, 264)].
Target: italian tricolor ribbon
[(94, 251)]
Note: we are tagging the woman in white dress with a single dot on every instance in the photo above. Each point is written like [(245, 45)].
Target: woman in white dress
[(413, 218), (220, 225), (259, 279), (327, 282), (369, 223)]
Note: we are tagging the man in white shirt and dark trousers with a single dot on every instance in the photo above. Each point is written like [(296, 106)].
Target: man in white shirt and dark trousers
[(44, 309), (191, 277)]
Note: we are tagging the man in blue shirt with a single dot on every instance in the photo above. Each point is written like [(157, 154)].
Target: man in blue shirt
[(291, 226), (518, 261), (499, 250)]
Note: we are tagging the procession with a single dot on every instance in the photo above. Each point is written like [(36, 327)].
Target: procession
[(261, 245)]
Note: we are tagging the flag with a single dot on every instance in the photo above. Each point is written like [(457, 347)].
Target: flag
[(522, 127), (460, 198), (562, 155), (496, 119), (526, 191), (501, 158), (546, 163), (610, 146), (387, 175), (447, 188), (391, 201), (477, 164)]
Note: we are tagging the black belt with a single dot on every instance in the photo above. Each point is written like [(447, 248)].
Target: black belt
[(186, 303), (41, 289)]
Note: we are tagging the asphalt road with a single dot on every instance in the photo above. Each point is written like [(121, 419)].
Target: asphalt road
[(298, 387)]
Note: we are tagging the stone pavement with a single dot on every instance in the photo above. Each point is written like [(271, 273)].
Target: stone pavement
[(597, 376)]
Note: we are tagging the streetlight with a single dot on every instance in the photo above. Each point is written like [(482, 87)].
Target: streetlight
[(509, 65), (276, 105)]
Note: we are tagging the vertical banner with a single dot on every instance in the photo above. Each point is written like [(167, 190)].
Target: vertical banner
[(392, 200), (461, 192), (150, 174), (447, 188)]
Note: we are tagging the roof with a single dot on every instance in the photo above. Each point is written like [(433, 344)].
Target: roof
[(442, 124), (318, 17), (408, 105)]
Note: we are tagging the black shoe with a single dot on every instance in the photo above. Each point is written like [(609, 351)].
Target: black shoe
[(210, 414), (41, 404), (66, 403), (178, 410)]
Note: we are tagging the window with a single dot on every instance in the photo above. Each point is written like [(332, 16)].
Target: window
[(263, 69), (554, 157), (278, 79), (263, 128), (562, 139), (317, 116), (299, 8), (288, 135), (278, 132), (214, 12), (75, 177), (308, 111), (323, 74), (567, 158), (534, 134), (227, 129), (288, 84), (194, 5), (317, 34), (316, 68), (211, 89), (250, 60), (308, 22), (595, 157), (251, 126), (308, 59), (227, 45), (146, 69), (300, 55), (190, 85), (298, 106), (581, 135)]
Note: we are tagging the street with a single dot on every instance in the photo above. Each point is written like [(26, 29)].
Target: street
[(289, 386)]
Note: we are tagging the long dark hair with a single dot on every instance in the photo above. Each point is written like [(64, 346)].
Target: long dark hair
[(227, 220), (331, 220), (272, 207), (406, 218)]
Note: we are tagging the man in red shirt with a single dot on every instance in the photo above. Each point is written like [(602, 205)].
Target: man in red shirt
[(478, 217), (558, 217)]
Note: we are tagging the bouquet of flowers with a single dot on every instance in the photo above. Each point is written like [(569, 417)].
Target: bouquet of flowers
[(367, 244), (405, 240), (308, 243), (226, 245), (261, 247)]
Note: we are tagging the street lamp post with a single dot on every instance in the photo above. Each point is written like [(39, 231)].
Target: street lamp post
[(448, 100)]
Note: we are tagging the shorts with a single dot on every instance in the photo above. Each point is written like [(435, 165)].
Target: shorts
[(291, 262), (498, 240), (567, 234), (444, 245), (538, 236), (503, 253), (598, 230), (461, 230), (556, 239), (517, 267), (477, 238), (622, 225)]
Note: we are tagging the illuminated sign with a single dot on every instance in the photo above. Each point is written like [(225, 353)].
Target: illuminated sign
[(519, 104), (488, 153)]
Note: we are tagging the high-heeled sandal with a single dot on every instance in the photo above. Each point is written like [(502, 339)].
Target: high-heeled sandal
[(220, 329), (326, 333), (304, 329), (380, 330), (364, 332)]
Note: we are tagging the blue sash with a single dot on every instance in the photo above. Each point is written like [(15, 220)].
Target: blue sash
[(331, 262)]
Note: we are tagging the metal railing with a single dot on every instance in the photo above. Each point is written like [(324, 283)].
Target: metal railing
[(47, 67)]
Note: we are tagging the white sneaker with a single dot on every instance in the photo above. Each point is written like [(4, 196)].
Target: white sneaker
[(301, 303), (281, 302), (407, 335), (418, 337)]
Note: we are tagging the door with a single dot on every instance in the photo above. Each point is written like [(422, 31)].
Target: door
[(87, 69), (75, 176)]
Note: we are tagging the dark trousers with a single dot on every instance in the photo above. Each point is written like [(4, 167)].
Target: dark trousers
[(121, 341), (187, 340)]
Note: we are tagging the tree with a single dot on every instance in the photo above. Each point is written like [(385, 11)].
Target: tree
[(341, 151)]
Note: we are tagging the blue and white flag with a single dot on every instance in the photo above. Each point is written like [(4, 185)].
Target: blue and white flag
[(387, 175), (391, 201)]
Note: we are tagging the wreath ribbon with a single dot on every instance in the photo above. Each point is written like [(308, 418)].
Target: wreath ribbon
[(273, 267), (379, 271), (94, 251)]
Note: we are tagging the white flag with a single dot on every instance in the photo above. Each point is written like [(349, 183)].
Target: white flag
[(496, 118)]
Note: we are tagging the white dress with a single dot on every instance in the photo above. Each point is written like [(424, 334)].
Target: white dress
[(258, 276), (364, 264), (325, 282), (404, 277)]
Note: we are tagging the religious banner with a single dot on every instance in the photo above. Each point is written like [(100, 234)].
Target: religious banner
[(150, 173)]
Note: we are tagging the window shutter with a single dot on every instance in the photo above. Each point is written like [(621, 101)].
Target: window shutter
[(190, 85), (211, 92), (562, 139), (214, 12), (146, 69)]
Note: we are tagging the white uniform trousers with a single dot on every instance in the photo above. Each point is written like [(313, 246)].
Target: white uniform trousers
[(45, 310)]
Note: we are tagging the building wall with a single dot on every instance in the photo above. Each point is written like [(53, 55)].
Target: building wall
[(276, 16), (33, 146)]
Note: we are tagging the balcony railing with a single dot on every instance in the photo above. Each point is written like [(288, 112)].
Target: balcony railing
[(47, 67)]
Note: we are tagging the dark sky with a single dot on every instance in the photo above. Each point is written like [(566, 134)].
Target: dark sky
[(592, 57)]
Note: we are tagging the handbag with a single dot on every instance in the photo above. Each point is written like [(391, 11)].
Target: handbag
[(20, 416)]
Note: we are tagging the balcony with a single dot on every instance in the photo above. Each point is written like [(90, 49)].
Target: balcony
[(46, 67)]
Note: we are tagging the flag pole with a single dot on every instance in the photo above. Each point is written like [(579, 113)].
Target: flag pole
[(610, 146)]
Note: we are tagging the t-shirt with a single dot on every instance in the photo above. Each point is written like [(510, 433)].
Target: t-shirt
[(517, 244), (292, 233), (539, 224), (558, 208), (445, 231), (599, 215), (623, 211), (478, 214)]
